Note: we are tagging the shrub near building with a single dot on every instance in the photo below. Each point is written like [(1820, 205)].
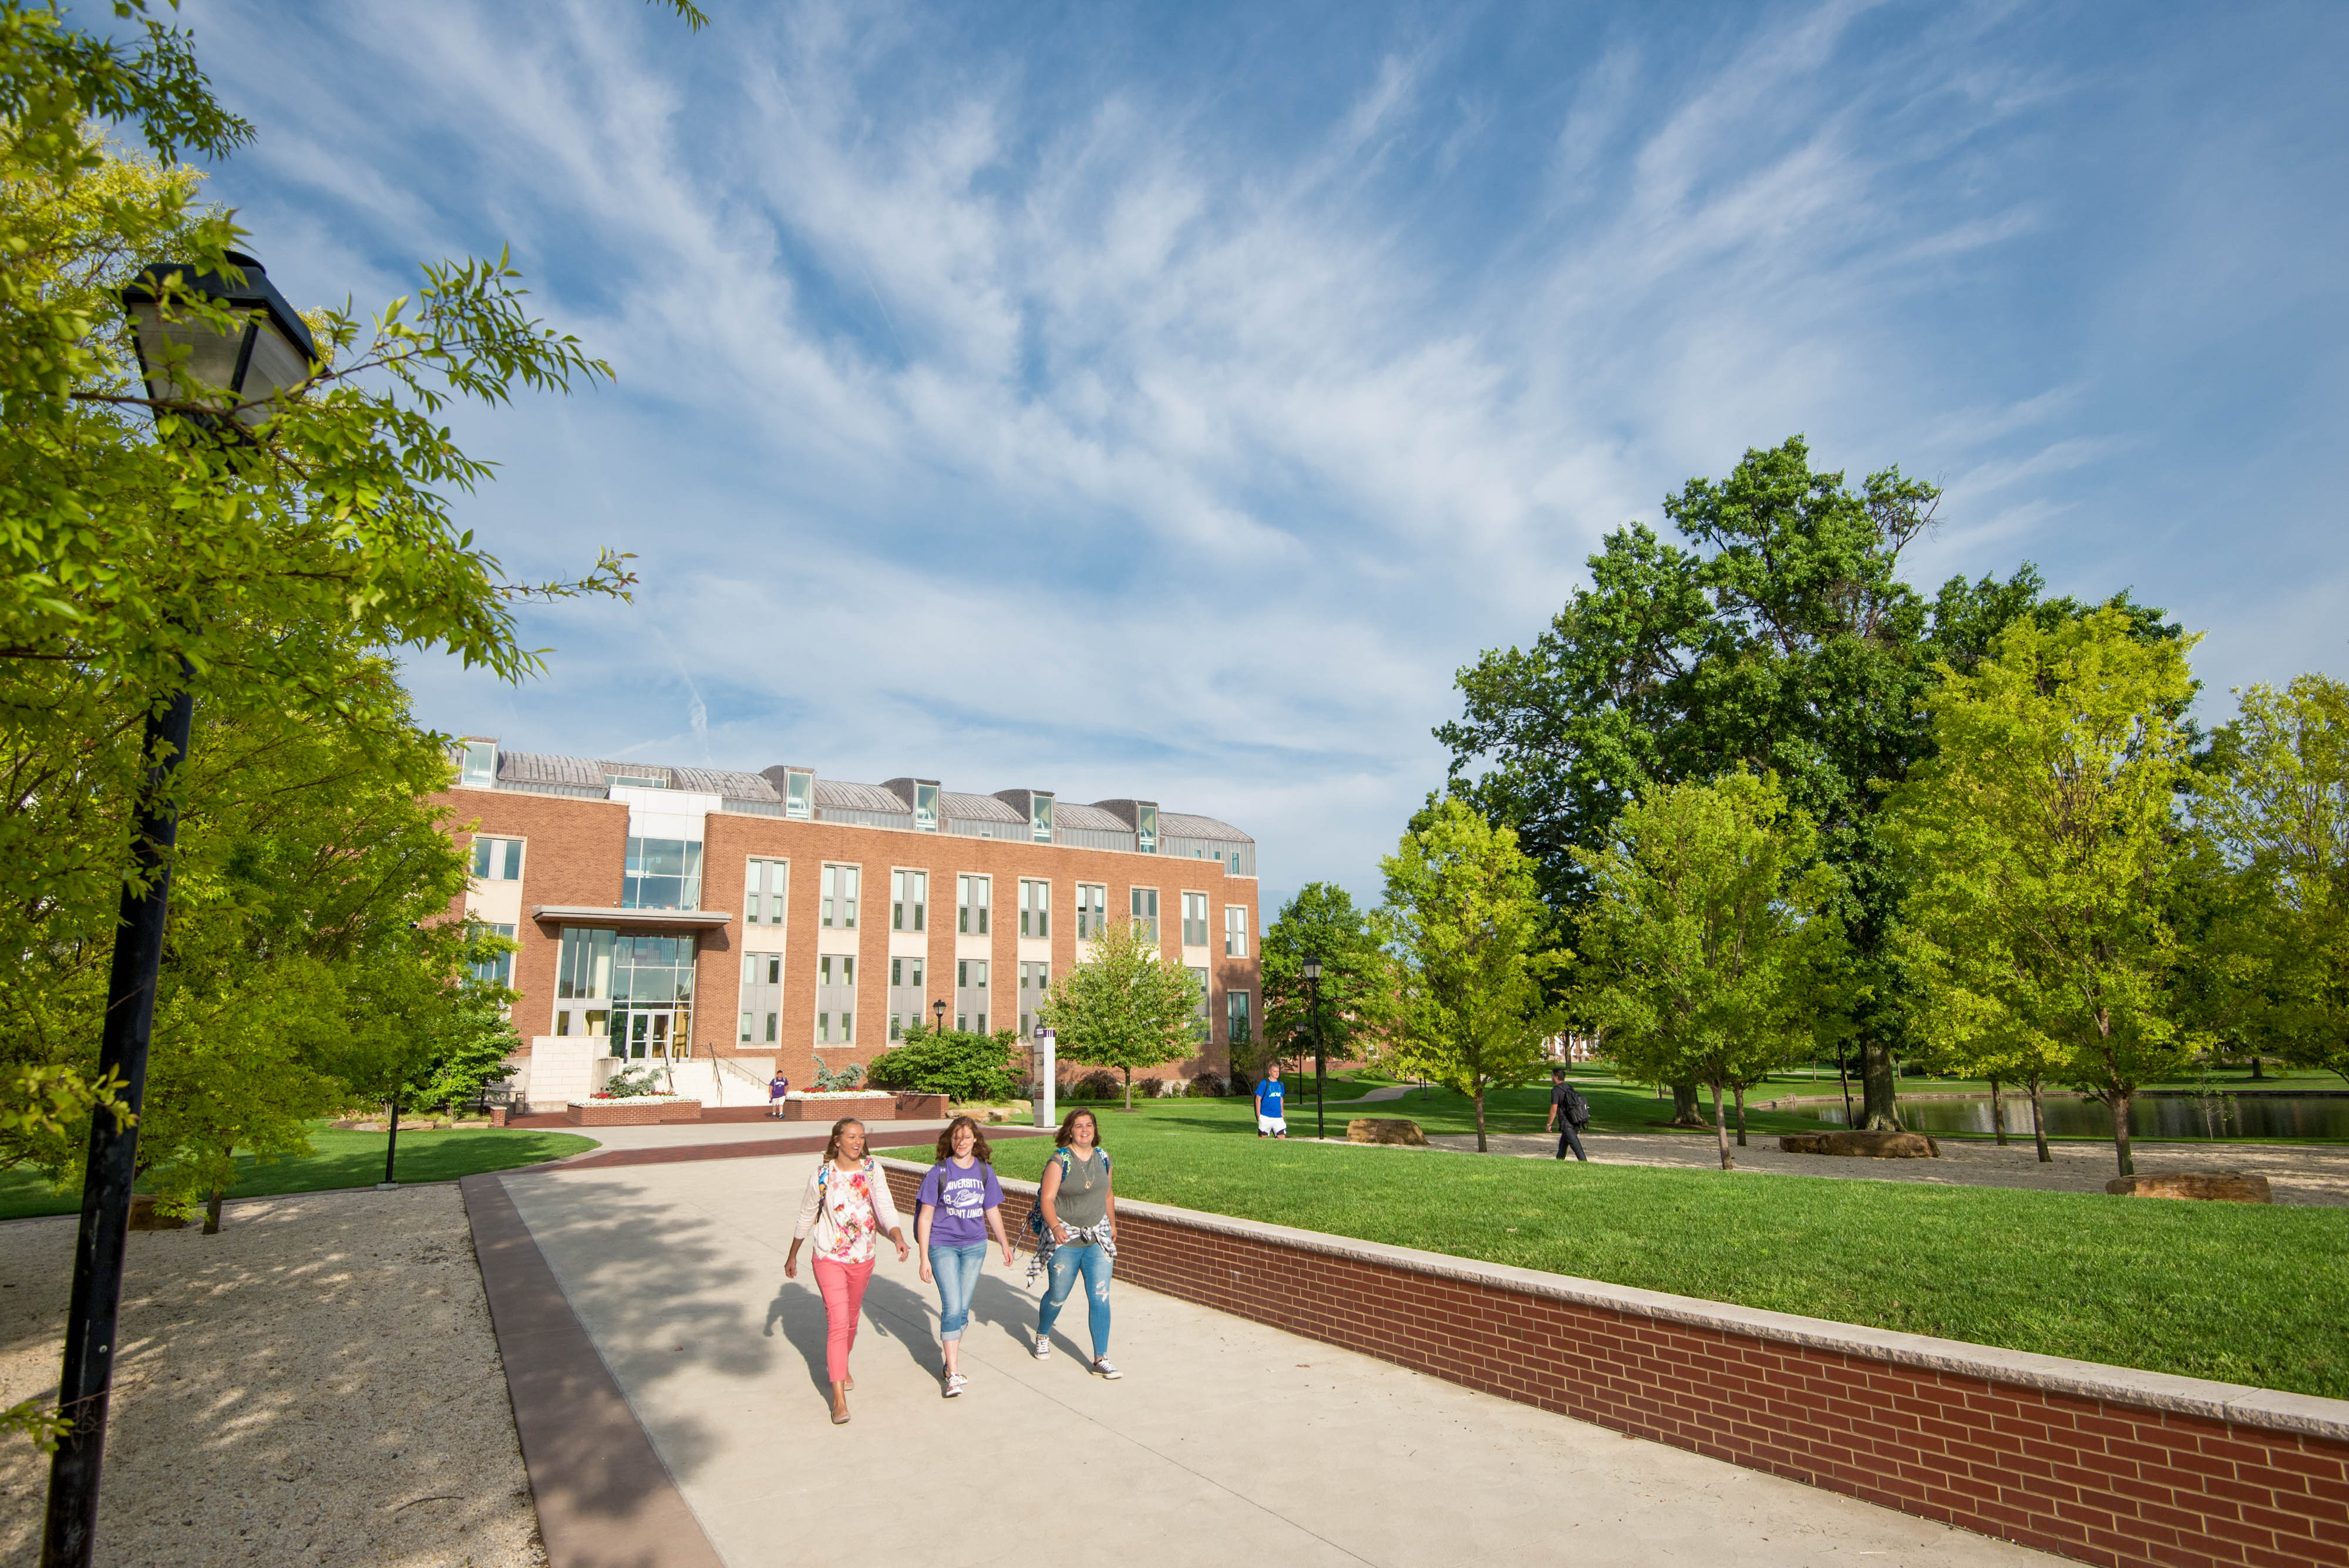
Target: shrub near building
[(961, 1065)]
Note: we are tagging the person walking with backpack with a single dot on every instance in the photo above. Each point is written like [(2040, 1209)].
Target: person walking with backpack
[(959, 1206), (1075, 1223), (1570, 1113), (1271, 1096), (846, 1205)]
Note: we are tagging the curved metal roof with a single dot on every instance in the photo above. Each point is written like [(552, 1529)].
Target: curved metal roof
[(1180, 825), (975, 807), (849, 796)]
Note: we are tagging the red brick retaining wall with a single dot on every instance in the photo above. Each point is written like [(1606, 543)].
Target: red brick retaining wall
[(632, 1112), (2101, 1464)]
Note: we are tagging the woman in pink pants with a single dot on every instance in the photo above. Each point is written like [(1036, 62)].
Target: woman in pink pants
[(847, 1204)]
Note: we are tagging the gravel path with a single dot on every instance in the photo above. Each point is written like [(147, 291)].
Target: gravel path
[(317, 1384), (2298, 1173)]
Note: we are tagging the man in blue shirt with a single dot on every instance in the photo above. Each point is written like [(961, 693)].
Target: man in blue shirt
[(1269, 1093)]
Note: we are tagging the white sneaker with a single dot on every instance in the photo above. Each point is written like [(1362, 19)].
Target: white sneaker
[(1043, 1347), (953, 1386), (1101, 1365)]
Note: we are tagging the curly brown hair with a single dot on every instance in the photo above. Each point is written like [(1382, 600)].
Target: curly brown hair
[(831, 1150), (1060, 1140), (979, 1149)]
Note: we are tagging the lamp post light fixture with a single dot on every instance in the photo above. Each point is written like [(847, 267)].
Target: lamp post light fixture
[(183, 359), (1047, 1105), (1320, 1064), (939, 1007)]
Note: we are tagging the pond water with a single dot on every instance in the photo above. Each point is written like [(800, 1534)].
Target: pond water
[(2223, 1116)]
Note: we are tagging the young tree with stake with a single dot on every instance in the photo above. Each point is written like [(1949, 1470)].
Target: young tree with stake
[(1125, 1008)]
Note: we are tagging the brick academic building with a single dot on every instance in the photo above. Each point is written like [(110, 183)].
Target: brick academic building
[(723, 924)]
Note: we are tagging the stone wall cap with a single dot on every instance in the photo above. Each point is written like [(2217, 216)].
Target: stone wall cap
[(2306, 1414)]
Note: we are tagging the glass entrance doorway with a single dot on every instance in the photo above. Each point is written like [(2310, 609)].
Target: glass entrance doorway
[(652, 996), (646, 1033)]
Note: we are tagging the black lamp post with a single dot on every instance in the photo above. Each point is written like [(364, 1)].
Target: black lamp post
[(939, 1007), (184, 361), (1320, 1064)]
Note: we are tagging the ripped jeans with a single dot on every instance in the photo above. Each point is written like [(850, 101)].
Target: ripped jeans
[(1067, 1262)]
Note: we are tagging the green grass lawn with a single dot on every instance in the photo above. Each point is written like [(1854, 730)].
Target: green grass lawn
[(2238, 1292), (339, 1159)]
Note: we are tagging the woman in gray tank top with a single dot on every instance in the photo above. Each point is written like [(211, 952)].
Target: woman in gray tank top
[(1080, 1222)]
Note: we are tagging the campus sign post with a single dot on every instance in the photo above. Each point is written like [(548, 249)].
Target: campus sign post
[(188, 362), (1047, 1054)]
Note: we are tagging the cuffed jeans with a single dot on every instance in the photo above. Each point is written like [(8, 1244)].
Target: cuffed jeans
[(1566, 1135), (957, 1271), (1067, 1262)]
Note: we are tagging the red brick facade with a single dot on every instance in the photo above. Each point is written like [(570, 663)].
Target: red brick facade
[(2100, 1474), (575, 849)]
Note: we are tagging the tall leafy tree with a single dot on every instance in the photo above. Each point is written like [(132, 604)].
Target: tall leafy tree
[(1356, 991), (2043, 839), (1125, 1007), (1464, 919), (1703, 942)]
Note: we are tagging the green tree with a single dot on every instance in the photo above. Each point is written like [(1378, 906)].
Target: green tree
[(959, 1064), (1704, 940), (2275, 806), (1124, 1008), (1782, 640), (1356, 987), (2043, 839), (1465, 921)]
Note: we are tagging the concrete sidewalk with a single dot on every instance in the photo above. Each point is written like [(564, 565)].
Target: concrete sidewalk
[(1224, 1440)]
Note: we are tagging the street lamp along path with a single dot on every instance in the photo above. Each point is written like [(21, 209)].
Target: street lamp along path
[(220, 375), (1320, 1065)]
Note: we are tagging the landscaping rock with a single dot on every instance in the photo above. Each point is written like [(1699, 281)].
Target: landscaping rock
[(1864, 1145), (1385, 1129), (2211, 1185)]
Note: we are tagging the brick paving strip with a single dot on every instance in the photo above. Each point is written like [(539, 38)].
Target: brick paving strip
[(603, 1495), (667, 1154)]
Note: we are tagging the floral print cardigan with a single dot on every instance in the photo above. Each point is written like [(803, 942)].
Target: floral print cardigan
[(846, 1210)]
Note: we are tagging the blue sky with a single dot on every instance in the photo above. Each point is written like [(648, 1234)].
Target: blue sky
[(1143, 400)]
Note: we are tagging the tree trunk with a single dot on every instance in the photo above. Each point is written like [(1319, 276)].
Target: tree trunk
[(1843, 1076), (2256, 1072), (2039, 1125), (1480, 1120), (1686, 1110), (212, 1213), (1880, 1086), (1721, 1128), (1997, 1114), (2120, 1103), (1129, 1088), (1741, 1115)]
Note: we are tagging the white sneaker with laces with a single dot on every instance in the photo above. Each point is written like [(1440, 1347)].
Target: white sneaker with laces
[(1101, 1365), (954, 1385), (1043, 1347)]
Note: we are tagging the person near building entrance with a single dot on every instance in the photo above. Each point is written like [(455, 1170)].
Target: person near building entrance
[(1570, 1113), (846, 1205), (779, 1087), (1271, 1095), (959, 1206), (1077, 1234)]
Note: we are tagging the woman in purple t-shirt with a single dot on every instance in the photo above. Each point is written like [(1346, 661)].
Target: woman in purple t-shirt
[(959, 1206)]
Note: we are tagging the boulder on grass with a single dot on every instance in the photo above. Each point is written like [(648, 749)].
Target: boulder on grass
[(1864, 1145), (2211, 1185), (1385, 1129)]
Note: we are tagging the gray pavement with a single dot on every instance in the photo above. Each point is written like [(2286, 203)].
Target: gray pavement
[(680, 1134), (1226, 1440)]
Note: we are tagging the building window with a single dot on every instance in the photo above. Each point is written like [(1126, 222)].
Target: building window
[(1146, 914), (499, 970), (497, 859), (1035, 909), (1199, 1005), (1236, 930), (763, 999), (652, 995), (910, 900), (1195, 919), (1145, 836), (1092, 910), (925, 808), (480, 767), (840, 898), (1236, 1016), (970, 994), (798, 793), (836, 998), (1035, 980), (970, 901), (662, 874), (1039, 818), (634, 780), (763, 889), (906, 997)]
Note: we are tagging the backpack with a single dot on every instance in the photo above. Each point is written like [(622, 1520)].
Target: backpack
[(1577, 1109), (1035, 1205)]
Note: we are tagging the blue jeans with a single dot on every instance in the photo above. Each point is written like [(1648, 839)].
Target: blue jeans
[(957, 1271), (1067, 1262)]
